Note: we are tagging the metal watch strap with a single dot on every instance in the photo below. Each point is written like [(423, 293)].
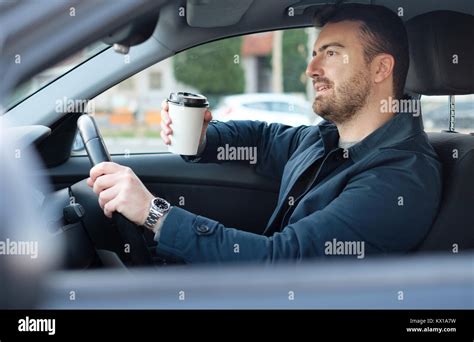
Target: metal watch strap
[(153, 216)]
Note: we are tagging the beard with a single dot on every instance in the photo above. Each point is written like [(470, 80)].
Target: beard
[(340, 104)]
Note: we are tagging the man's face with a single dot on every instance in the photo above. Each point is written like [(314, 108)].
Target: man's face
[(341, 78)]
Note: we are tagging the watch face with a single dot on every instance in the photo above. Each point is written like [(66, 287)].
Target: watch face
[(161, 204)]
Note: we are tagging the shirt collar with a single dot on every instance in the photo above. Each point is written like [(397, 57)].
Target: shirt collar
[(400, 127)]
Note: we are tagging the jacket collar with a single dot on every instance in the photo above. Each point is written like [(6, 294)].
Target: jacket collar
[(400, 127)]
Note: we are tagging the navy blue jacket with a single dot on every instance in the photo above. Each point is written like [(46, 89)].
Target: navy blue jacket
[(383, 191)]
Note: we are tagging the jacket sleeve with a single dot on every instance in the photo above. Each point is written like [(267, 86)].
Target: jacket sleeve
[(385, 215), (274, 143)]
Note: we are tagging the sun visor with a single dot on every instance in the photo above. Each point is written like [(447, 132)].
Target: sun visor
[(209, 13)]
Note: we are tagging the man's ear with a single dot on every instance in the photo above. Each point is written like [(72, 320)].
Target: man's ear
[(383, 67)]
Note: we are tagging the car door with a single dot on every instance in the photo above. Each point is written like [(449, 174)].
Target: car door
[(230, 193)]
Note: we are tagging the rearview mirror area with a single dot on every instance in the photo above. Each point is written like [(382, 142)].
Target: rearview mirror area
[(134, 33)]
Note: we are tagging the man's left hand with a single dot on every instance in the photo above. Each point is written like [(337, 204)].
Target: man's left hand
[(119, 189)]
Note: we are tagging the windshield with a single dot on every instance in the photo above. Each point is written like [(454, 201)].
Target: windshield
[(51, 74)]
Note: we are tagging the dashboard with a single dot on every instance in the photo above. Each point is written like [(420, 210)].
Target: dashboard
[(62, 217)]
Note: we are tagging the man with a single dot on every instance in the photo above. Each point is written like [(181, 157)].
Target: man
[(364, 181)]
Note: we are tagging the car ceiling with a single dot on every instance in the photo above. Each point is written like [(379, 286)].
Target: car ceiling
[(175, 33)]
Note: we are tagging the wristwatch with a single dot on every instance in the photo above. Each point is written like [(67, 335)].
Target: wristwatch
[(158, 208)]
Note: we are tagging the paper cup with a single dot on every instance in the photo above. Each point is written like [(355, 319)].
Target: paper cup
[(186, 111)]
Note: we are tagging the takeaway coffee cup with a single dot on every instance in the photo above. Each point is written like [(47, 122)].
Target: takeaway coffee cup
[(186, 111)]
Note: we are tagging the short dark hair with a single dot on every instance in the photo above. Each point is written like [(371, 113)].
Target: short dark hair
[(382, 31)]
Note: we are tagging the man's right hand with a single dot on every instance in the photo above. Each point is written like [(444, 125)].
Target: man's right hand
[(167, 131)]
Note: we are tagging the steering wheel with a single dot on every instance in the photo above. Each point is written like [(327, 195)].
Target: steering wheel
[(128, 232)]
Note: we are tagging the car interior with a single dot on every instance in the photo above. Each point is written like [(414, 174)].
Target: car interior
[(231, 188), (432, 40), (151, 31)]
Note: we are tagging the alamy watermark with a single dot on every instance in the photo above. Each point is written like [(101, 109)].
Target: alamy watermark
[(10, 247), (237, 153), (392, 105), (28, 324), (67, 105), (335, 247)]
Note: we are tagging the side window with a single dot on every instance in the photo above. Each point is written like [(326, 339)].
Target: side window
[(435, 112), (257, 76)]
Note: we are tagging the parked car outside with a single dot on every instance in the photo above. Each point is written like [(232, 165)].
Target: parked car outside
[(290, 110)]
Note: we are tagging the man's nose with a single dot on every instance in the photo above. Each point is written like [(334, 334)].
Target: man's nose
[(314, 68)]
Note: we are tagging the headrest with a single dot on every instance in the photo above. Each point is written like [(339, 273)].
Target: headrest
[(441, 53)]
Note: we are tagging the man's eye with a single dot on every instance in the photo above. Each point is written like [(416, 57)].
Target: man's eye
[(330, 53)]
